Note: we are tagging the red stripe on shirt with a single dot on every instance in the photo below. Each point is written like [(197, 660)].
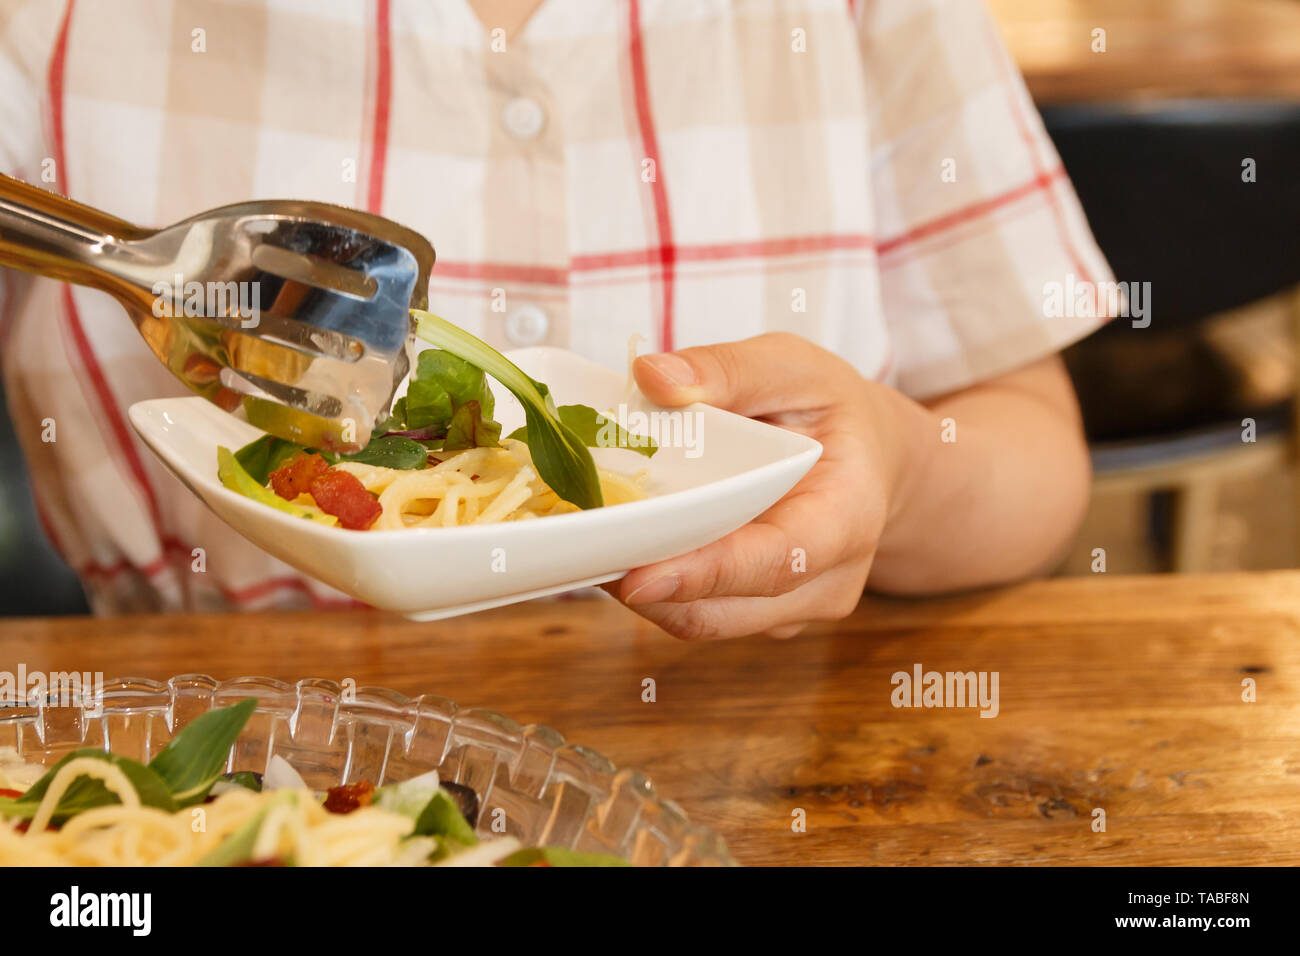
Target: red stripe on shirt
[(383, 103), (650, 147), (969, 213), (631, 258), (503, 272), (108, 405), (998, 53), (758, 249)]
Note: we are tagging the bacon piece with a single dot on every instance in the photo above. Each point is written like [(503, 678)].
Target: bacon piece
[(295, 476), (344, 496), (349, 797)]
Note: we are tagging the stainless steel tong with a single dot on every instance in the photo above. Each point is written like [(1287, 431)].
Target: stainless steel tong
[(298, 311)]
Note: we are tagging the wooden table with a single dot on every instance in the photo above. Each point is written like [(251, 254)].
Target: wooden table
[(1117, 693), (1154, 48)]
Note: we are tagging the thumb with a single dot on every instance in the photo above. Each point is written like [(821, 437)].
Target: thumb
[(764, 375)]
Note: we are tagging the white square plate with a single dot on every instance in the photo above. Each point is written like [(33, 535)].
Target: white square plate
[(706, 484)]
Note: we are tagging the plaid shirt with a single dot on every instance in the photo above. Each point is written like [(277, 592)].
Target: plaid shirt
[(867, 173)]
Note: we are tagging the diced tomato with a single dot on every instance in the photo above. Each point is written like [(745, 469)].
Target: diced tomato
[(342, 495), (295, 476), (349, 797), (6, 792)]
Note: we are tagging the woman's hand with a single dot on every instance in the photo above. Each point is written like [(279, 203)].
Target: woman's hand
[(807, 558), (982, 486)]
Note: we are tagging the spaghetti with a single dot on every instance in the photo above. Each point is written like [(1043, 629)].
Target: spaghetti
[(280, 825), (474, 486)]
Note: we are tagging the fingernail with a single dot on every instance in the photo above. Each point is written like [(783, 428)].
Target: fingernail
[(654, 590), (673, 368)]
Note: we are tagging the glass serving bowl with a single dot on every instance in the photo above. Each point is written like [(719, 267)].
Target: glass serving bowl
[(546, 791)]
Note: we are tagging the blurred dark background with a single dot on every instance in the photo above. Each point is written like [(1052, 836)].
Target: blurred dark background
[(33, 578)]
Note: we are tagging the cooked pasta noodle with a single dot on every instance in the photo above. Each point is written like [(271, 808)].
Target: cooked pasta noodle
[(475, 486)]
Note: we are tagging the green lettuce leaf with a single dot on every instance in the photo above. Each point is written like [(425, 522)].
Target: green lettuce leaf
[(597, 431)]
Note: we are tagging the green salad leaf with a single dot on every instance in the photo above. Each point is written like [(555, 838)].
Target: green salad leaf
[(441, 817), (442, 386), (196, 757), (234, 477), (561, 457), (597, 431), (390, 451), (86, 793), (264, 455)]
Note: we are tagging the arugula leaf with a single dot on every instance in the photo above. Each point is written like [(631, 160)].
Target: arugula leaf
[(597, 431), (196, 757), (561, 457), (391, 451), (261, 456), (86, 793), (558, 856)]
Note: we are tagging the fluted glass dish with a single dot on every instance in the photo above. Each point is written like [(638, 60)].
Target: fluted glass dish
[(548, 792)]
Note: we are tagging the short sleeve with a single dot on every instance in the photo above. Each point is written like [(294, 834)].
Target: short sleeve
[(978, 226)]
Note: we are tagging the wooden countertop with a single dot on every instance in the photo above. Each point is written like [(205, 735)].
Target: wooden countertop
[(1154, 48), (1117, 693)]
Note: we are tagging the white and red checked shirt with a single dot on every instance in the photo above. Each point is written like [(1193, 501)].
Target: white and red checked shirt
[(867, 173)]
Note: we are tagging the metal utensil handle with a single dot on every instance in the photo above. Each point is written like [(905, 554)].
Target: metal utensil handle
[(50, 235)]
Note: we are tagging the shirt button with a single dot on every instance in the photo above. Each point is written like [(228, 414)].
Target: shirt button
[(523, 117), (527, 325)]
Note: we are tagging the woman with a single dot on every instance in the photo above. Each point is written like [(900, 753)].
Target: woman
[(838, 215)]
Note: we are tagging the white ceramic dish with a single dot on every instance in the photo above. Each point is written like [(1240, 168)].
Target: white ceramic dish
[(736, 469)]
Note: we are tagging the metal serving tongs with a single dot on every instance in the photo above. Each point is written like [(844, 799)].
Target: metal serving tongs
[(296, 310)]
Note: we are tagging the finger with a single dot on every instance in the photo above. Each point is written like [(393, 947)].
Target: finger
[(831, 597), (777, 372), (783, 549)]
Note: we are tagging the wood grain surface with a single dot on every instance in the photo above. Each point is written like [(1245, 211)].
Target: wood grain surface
[(1123, 694), (1154, 48)]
